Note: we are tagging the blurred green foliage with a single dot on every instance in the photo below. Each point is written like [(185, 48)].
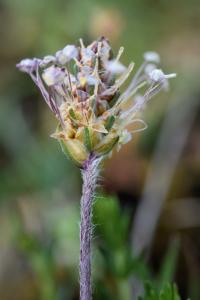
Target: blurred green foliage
[(168, 292), (114, 263)]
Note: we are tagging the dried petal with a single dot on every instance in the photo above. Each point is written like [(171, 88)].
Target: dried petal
[(115, 67), (152, 56), (47, 60), (157, 75), (149, 68), (53, 75), (27, 65), (70, 52)]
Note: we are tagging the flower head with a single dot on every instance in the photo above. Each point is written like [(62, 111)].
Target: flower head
[(82, 87)]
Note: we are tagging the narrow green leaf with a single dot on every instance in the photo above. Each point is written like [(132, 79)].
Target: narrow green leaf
[(168, 266), (168, 292)]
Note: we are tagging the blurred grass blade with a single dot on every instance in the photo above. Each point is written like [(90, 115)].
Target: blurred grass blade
[(169, 263)]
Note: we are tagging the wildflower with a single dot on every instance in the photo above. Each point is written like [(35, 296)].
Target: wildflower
[(82, 86)]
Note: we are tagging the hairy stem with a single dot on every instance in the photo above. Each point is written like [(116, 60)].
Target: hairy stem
[(89, 174)]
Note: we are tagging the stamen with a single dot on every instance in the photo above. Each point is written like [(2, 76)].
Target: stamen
[(121, 50), (81, 43)]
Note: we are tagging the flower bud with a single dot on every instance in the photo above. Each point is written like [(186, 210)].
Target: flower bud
[(74, 150)]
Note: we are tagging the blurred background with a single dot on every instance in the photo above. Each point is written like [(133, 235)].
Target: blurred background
[(147, 217)]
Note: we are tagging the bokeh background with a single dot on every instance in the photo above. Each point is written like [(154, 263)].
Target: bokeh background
[(147, 220)]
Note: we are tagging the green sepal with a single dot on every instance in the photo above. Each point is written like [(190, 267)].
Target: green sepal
[(109, 123), (74, 150), (72, 114), (111, 145), (91, 89), (87, 139), (106, 145), (75, 69), (68, 154), (73, 117)]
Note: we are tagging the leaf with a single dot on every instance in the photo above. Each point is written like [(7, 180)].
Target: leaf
[(139, 268), (112, 224), (168, 292), (112, 229), (168, 266)]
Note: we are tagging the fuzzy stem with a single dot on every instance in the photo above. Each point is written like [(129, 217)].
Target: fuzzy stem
[(89, 174)]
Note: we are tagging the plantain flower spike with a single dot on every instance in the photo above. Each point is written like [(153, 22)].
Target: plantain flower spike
[(82, 87)]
